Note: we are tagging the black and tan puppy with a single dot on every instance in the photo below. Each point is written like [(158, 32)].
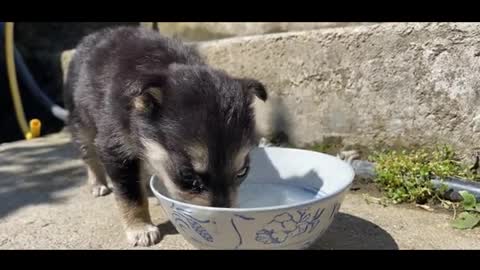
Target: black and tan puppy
[(140, 100)]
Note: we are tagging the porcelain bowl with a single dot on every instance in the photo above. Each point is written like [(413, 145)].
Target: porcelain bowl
[(288, 201)]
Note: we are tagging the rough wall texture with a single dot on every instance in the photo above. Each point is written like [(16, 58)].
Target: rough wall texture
[(408, 83), (201, 31)]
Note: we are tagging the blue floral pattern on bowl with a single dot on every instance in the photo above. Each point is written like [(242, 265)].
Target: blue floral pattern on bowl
[(185, 221), (232, 221), (291, 224)]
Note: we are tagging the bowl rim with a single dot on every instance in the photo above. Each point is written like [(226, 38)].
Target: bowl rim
[(349, 168)]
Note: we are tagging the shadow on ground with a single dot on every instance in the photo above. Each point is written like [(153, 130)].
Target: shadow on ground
[(351, 232), (167, 228), (347, 232), (33, 174)]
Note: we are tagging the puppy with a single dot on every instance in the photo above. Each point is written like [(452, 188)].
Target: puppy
[(139, 100)]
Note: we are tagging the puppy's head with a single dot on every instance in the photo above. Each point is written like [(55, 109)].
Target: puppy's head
[(197, 128)]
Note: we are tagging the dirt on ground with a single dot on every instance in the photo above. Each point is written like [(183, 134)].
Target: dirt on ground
[(45, 204)]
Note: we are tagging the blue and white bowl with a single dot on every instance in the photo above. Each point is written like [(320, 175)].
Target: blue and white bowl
[(288, 201)]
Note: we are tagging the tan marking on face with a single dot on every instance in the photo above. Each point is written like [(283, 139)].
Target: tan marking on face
[(154, 152), (157, 159), (239, 161), (199, 157), (198, 199), (234, 198)]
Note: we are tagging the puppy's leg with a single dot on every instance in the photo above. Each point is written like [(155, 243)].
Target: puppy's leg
[(83, 138), (130, 195), (96, 176)]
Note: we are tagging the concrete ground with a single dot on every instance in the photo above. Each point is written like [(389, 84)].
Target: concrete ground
[(45, 204)]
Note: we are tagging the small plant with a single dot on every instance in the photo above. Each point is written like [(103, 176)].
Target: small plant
[(329, 145), (405, 175), (470, 217)]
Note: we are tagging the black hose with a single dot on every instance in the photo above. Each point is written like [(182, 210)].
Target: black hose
[(366, 170), (30, 82), (455, 185), (32, 85)]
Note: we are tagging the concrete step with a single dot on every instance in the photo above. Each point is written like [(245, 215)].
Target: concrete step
[(202, 31), (381, 84)]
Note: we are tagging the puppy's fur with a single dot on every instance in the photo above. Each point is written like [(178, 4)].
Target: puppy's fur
[(140, 100)]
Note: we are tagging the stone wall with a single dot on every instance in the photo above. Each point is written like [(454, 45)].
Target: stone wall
[(202, 31), (41, 44), (387, 84)]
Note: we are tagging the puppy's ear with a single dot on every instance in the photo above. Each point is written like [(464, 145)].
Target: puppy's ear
[(255, 87), (150, 91)]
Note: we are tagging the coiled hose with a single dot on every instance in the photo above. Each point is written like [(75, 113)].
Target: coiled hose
[(14, 57), (12, 80), (35, 90)]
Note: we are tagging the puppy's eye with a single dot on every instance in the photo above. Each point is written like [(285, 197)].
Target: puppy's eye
[(191, 181), (187, 176), (243, 172)]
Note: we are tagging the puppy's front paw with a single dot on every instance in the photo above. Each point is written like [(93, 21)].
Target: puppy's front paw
[(100, 190), (143, 235)]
